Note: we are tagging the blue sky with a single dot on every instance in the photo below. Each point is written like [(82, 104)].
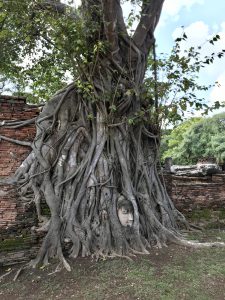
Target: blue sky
[(201, 20), (186, 12)]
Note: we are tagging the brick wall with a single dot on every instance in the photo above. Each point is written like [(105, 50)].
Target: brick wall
[(194, 193), (11, 155), (16, 217)]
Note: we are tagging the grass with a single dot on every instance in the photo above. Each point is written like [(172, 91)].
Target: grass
[(166, 274), (15, 243), (200, 214), (208, 218), (182, 277)]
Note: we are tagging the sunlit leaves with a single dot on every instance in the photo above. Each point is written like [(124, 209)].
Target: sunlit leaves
[(172, 142), (196, 138)]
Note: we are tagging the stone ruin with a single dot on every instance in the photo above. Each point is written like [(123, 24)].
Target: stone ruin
[(204, 167)]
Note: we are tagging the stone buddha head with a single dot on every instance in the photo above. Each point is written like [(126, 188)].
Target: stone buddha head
[(125, 212)]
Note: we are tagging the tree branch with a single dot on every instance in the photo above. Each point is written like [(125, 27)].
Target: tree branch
[(120, 20), (56, 7), (113, 23), (110, 20), (144, 34)]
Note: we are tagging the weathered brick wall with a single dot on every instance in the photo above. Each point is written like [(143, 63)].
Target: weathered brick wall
[(11, 155), (193, 193), (16, 217), (14, 109)]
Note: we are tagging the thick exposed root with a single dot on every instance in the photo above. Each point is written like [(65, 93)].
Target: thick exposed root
[(197, 245)]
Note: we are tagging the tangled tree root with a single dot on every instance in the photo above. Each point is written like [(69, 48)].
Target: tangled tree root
[(80, 165)]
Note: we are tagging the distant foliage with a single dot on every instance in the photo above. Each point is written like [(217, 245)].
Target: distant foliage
[(172, 142), (196, 138)]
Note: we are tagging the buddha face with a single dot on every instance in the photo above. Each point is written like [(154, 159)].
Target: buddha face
[(126, 217), (125, 213)]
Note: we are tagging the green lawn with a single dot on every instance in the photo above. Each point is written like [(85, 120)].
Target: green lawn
[(168, 273)]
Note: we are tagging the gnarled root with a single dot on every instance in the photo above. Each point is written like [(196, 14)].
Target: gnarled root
[(80, 167)]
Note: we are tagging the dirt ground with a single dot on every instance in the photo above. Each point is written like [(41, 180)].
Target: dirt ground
[(169, 273)]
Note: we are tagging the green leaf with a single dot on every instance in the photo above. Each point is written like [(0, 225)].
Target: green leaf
[(27, 39)]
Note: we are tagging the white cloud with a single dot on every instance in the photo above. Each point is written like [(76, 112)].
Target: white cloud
[(198, 34), (172, 8), (218, 92)]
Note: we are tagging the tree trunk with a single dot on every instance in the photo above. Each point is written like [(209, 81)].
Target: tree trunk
[(95, 154), (84, 161)]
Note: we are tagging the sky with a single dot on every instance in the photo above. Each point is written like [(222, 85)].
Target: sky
[(201, 20)]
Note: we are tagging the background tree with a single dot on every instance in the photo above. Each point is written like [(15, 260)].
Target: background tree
[(97, 139), (197, 138), (172, 142)]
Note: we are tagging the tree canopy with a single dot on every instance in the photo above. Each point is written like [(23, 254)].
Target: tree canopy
[(45, 44), (41, 42), (173, 139)]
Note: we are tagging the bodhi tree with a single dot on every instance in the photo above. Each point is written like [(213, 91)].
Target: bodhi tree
[(96, 146)]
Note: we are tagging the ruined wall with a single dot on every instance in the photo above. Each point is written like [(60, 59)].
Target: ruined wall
[(14, 109), (194, 193), (16, 217)]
